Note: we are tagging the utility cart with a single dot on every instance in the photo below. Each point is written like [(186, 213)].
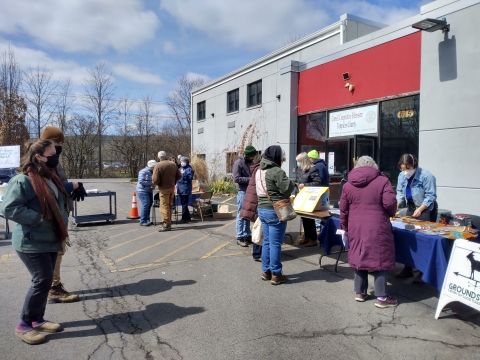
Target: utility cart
[(108, 217)]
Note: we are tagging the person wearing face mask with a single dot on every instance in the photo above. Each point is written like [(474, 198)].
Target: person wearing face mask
[(184, 187), (417, 191), (309, 176), (58, 293), (37, 201)]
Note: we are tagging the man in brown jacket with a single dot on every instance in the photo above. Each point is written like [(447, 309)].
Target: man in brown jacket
[(165, 176)]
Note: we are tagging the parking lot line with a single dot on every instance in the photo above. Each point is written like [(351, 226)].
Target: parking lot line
[(149, 265), (207, 255), (132, 240), (181, 248), (126, 232), (117, 226), (151, 246)]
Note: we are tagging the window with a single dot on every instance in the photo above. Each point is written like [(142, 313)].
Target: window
[(232, 101), (231, 158), (201, 110), (312, 130), (255, 93), (201, 156)]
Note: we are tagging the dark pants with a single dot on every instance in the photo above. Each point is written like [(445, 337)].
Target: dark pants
[(426, 215), (309, 228), (185, 211), (360, 282), (40, 266), (257, 251)]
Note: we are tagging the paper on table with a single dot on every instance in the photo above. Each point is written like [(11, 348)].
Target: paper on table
[(344, 237)]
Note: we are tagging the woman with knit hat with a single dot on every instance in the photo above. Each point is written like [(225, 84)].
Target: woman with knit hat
[(184, 187), (144, 191), (37, 201)]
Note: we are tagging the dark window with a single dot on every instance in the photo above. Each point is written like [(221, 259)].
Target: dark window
[(399, 128), (201, 156), (231, 158), (312, 132), (201, 110), (255, 93), (232, 100)]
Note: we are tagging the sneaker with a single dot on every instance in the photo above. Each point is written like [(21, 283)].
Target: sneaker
[(145, 224), (181, 221), (361, 297), (47, 326), (278, 279), (164, 227), (58, 294), (257, 259), (241, 242), (248, 239), (312, 243), (388, 302), (30, 336), (267, 275)]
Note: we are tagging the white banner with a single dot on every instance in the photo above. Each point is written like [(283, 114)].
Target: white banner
[(361, 120), (462, 280), (9, 156), (331, 163)]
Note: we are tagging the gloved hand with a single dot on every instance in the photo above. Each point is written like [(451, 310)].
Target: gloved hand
[(79, 193)]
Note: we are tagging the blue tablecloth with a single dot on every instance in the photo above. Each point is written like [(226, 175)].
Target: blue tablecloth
[(429, 254)]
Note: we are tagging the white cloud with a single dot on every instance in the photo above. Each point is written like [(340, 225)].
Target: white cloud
[(133, 73), (192, 76), (80, 25), (169, 47)]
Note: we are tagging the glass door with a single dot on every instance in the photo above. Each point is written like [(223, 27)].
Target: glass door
[(365, 146), (338, 160)]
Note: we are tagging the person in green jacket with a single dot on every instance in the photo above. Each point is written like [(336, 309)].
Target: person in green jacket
[(273, 180), (37, 201)]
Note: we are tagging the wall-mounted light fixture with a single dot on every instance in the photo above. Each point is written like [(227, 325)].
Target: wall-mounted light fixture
[(213, 114), (350, 87), (278, 97), (431, 25), (346, 76)]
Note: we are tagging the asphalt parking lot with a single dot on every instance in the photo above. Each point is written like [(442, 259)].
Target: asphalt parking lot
[(192, 293)]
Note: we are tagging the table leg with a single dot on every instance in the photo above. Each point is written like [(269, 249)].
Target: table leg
[(338, 258)]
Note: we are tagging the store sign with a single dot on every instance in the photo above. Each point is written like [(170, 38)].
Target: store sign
[(405, 114), (9, 156), (361, 120), (462, 280)]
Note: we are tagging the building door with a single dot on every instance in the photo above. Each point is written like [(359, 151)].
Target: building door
[(365, 146), (338, 156)]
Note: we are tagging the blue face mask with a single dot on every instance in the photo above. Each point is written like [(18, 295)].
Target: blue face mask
[(299, 164)]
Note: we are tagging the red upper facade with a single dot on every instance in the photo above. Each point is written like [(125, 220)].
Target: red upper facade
[(389, 69)]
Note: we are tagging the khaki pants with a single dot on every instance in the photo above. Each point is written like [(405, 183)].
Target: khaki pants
[(166, 202), (56, 270)]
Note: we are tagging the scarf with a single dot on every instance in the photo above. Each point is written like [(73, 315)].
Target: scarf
[(48, 203)]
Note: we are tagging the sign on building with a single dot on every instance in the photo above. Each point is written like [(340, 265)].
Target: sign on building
[(462, 281), (356, 121), (9, 156)]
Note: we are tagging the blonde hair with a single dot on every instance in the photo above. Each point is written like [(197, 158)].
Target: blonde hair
[(303, 159)]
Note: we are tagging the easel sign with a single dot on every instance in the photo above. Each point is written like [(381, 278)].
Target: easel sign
[(462, 281), (308, 199), (9, 156)]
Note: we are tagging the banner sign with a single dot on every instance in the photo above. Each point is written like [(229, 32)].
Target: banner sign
[(9, 156), (462, 280), (331, 163), (361, 120), (308, 199)]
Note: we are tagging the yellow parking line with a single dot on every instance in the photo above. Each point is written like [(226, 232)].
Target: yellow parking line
[(232, 254), (207, 255), (148, 266), (224, 201), (126, 232), (132, 240), (117, 226), (106, 261), (224, 226), (151, 246), (181, 248)]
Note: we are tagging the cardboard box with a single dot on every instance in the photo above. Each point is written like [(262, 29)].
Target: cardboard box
[(223, 212), (195, 186)]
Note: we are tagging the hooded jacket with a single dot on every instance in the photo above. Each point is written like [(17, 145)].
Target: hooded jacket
[(275, 181), (184, 185), (366, 205), (250, 201), (323, 171), (241, 173)]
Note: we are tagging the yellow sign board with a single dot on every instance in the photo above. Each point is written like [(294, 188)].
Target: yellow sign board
[(308, 199)]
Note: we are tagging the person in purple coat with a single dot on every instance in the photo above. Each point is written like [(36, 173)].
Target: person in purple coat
[(366, 205)]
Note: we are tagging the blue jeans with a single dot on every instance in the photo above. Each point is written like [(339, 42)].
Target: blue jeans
[(273, 235), (243, 226), (40, 266), (146, 199), (257, 251)]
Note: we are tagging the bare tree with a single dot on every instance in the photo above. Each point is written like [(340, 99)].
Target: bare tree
[(12, 106), (99, 90), (39, 88), (63, 104), (145, 120), (179, 102)]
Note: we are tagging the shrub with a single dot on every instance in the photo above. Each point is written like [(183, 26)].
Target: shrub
[(200, 167), (224, 186)]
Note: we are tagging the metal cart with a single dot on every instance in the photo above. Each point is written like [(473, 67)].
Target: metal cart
[(108, 217)]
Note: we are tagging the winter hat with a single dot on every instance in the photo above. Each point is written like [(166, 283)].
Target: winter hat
[(53, 133), (184, 158), (151, 163), (250, 151), (313, 154)]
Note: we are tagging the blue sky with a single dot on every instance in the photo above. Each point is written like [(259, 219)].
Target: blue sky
[(148, 44)]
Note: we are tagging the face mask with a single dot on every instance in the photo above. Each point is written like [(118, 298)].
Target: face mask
[(58, 148), (409, 173), (299, 164), (52, 161), (183, 164)]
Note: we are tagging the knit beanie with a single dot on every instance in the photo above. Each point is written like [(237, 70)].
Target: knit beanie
[(313, 154), (250, 151), (53, 133)]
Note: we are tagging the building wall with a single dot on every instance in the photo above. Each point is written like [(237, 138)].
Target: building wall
[(449, 100)]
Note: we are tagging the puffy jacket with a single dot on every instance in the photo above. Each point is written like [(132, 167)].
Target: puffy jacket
[(423, 186), (275, 181), (184, 185), (250, 201), (145, 180), (309, 178), (241, 173), (323, 171), (31, 234)]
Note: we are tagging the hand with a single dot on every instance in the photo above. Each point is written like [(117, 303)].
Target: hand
[(75, 185), (417, 212), (301, 186), (79, 193)]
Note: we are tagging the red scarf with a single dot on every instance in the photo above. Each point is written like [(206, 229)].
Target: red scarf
[(48, 203)]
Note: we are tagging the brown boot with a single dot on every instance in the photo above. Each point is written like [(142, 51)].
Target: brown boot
[(301, 241), (277, 279), (58, 294), (312, 243)]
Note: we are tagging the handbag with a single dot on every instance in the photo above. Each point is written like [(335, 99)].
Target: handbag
[(257, 233), (283, 208)]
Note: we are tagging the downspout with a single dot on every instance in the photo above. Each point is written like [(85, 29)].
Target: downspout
[(342, 32)]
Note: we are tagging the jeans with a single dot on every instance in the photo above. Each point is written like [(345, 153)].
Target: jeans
[(243, 226), (360, 282), (40, 266), (166, 203), (185, 211), (146, 198), (273, 236), (257, 251)]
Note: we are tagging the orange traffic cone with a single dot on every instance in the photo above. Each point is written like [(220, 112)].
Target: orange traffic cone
[(134, 210)]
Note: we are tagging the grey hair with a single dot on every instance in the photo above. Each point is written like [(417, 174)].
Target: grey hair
[(366, 161), (162, 155)]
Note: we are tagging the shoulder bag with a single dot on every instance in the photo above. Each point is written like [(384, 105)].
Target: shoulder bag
[(283, 208)]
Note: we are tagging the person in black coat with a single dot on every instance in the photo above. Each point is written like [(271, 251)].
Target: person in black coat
[(309, 176)]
